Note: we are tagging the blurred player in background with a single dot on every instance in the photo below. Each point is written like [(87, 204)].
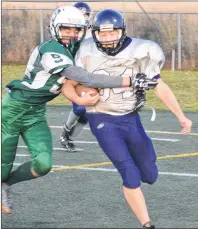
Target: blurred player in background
[(88, 13), (114, 120), (77, 117), (23, 107)]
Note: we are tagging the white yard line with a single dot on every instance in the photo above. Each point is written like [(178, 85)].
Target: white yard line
[(166, 139), (54, 166), (115, 170), (161, 173), (148, 131), (60, 149), (155, 139)]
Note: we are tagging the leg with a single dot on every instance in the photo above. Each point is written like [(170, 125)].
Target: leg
[(10, 136), (72, 120), (74, 125), (82, 121), (111, 138), (39, 141), (9, 146), (136, 201), (143, 153)]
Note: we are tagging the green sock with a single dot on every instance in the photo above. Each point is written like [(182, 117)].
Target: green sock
[(22, 173)]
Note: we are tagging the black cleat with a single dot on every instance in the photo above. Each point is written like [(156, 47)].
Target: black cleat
[(69, 146), (148, 225), (65, 140)]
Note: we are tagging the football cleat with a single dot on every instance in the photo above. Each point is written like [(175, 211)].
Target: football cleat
[(148, 225), (6, 203), (65, 140), (69, 146)]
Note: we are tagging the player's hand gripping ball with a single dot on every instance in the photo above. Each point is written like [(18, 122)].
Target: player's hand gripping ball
[(81, 90)]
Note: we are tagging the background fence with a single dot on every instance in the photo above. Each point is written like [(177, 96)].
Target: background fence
[(177, 33)]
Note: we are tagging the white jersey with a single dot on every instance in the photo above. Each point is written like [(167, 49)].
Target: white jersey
[(139, 56)]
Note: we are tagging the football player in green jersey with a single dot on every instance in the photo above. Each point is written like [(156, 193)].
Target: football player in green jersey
[(23, 107)]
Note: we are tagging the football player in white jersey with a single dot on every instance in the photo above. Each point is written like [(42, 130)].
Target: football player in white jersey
[(114, 120), (77, 116)]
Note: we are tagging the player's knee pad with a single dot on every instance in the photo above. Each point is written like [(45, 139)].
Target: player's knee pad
[(150, 175), (79, 110), (42, 163)]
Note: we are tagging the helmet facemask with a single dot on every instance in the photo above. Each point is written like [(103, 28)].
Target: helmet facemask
[(80, 33), (109, 47)]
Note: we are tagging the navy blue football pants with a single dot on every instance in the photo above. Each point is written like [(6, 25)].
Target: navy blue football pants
[(124, 141)]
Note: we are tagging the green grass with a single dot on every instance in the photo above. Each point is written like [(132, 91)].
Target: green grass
[(183, 83)]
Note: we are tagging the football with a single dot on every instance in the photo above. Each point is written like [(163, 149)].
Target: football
[(81, 90)]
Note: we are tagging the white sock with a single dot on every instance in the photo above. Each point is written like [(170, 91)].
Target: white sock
[(72, 120), (77, 130)]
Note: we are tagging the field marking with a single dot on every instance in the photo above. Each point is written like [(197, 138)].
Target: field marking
[(158, 158), (59, 149), (169, 132), (115, 170), (148, 131), (54, 166), (90, 166), (155, 139), (110, 163), (181, 155), (95, 142), (161, 173)]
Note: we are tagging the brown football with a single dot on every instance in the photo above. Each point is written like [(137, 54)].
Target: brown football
[(81, 90)]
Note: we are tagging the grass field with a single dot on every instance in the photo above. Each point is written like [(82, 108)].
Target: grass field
[(183, 83)]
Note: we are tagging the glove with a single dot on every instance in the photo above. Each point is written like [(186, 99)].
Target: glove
[(141, 82), (141, 100)]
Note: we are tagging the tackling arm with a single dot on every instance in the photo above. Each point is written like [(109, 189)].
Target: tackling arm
[(95, 80), (69, 91)]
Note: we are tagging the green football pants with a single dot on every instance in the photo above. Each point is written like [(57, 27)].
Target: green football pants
[(29, 121)]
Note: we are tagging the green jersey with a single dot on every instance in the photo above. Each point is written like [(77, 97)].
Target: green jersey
[(42, 81)]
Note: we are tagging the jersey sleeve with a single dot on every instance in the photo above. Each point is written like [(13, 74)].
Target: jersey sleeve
[(156, 61), (54, 62)]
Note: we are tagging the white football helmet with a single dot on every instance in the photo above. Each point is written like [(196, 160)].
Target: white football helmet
[(67, 16)]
